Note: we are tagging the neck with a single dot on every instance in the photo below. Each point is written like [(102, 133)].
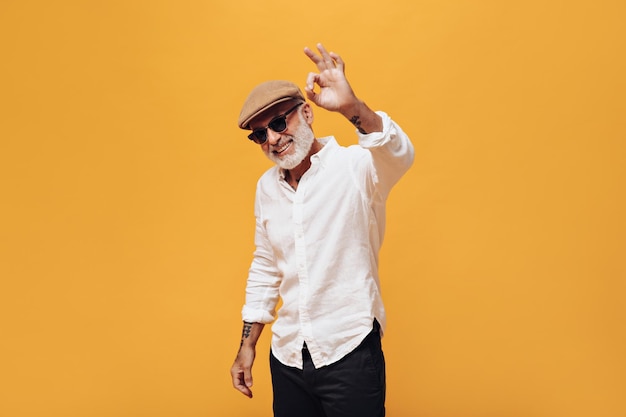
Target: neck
[(296, 173)]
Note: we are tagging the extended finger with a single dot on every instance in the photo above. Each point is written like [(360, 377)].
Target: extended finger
[(326, 56), (317, 60), (340, 64)]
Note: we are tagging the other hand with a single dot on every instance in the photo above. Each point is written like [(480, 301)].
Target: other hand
[(241, 371)]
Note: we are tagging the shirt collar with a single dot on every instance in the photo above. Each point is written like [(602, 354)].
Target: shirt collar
[(329, 145)]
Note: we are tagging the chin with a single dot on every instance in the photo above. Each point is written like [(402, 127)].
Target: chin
[(289, 165), (287, 161)]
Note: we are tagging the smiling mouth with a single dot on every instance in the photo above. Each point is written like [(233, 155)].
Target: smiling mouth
[(283, 148)]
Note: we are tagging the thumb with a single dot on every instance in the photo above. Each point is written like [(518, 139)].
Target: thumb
[(309, 89), (247, 377)]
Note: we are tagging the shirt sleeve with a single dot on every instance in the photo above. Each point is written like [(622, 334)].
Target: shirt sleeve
[(263, 278), (392, 153)]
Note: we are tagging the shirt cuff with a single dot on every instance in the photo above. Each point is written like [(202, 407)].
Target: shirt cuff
[(253, 315), (377, 139)]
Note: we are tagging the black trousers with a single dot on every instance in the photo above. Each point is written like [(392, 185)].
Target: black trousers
[(352, 387)]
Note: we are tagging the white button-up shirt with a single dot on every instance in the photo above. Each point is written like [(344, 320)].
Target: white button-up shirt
[(317, 247)]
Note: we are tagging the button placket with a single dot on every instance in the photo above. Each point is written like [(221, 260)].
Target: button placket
[(301, 263)]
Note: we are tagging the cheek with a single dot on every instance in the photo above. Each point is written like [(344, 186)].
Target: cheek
[(265, 148)]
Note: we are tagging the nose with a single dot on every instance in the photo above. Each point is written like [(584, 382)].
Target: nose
[(272, 137)]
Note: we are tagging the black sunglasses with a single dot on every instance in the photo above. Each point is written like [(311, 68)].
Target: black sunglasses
[(278, 124)]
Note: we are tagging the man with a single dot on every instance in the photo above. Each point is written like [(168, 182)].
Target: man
[(320, 221)]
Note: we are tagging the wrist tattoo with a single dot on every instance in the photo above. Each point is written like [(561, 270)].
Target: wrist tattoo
[(356, 121), (245, 333)]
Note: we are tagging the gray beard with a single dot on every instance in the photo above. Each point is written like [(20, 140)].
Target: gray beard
[(303, 139)]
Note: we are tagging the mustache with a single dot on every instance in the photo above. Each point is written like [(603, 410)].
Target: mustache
[(284, 139)]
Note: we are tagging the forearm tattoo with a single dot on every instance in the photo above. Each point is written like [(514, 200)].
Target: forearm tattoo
[(356, 121), (245, 333)]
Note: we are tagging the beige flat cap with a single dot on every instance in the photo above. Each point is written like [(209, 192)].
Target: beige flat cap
[(266, 95)]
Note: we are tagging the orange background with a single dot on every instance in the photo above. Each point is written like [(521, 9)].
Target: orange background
[(126, 200)]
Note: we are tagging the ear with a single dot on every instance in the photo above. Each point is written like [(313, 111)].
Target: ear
[(307, 112)]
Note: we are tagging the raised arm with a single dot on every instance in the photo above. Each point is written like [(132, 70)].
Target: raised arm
[(335, 92)]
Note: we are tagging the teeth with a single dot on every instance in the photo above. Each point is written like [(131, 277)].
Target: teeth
[(282, 149)]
